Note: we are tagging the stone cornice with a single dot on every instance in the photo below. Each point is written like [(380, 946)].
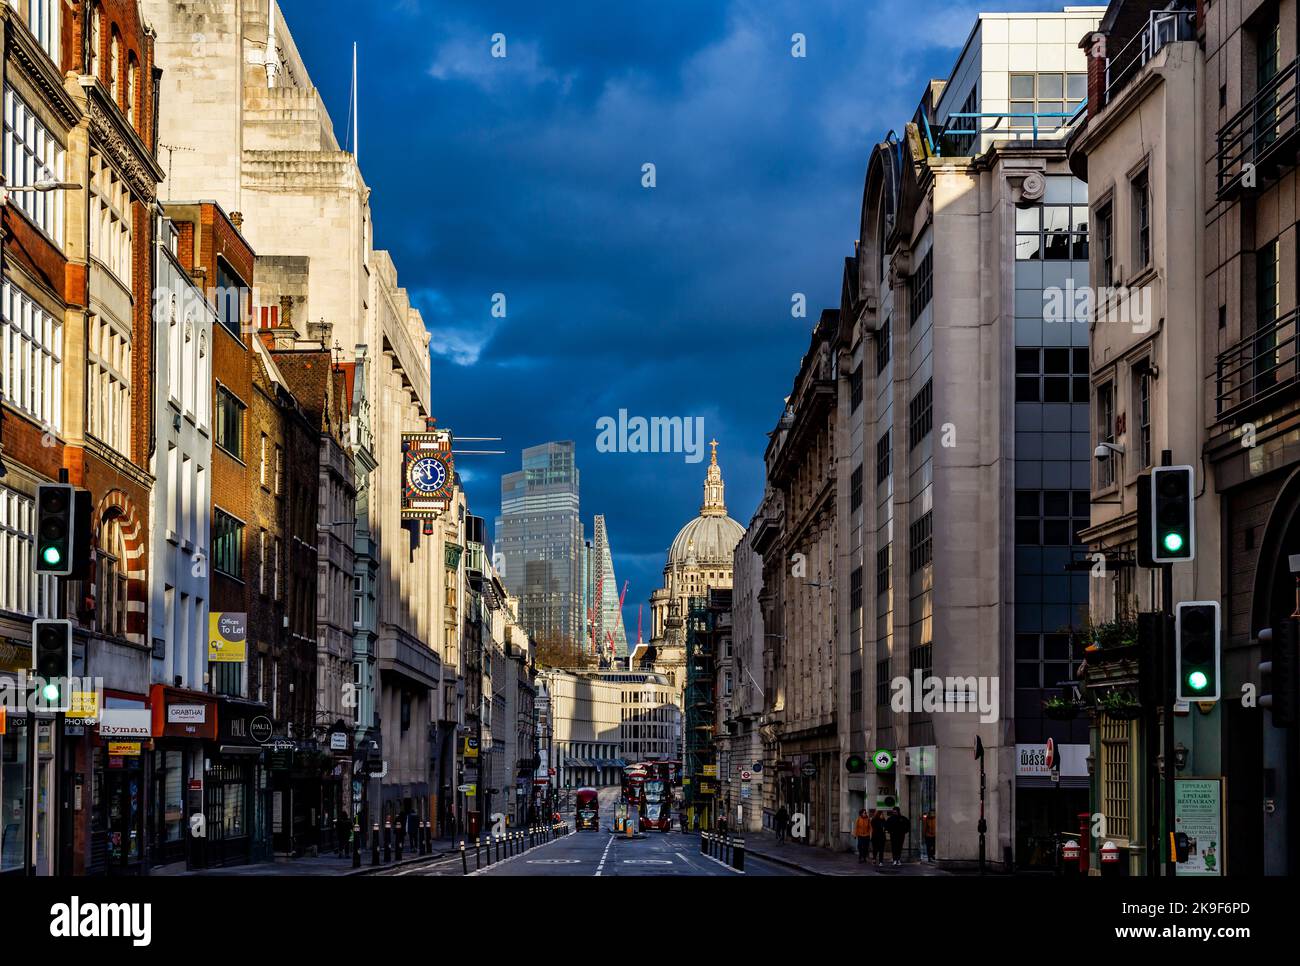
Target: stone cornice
[(120, 142), (21, 47)]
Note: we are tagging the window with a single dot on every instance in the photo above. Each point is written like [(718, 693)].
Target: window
[(855, 592), (110, 570), (921, 286), (131, 71), (855, 389), (920, 542), (855, 690), (1052, 375), (96, 38), (884, 456), (279, 469), (1049, 94), (1114, 771), (261, 561), (882, 570), (1051, 518), (1106, 244), (21, 590), (883, 346), (1144, 417), (108, 384), (262, 461), (855, 488), (32, 154), (230, 422), (114, 64), (43, 22), (275, 569), (31, 358), (1140, 188), (227, 545), (1105, 410), (1052, 233), (110, 219), (882, 684), (920, 413), (961, 145), (230, 298)]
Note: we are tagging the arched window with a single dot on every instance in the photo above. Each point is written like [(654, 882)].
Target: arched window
[(95, 40), (114, 66), (110, 590)]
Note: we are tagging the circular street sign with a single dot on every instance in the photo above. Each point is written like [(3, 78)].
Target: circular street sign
[(883, 760), (1051, 752), (808, 770), (746, 775), (260, 728), (757, 766)]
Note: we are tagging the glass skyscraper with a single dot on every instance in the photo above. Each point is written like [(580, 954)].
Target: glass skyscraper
[(539, 541)]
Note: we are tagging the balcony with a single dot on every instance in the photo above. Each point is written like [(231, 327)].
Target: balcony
[(1163, 27), (1260, 368), (1260, 139)]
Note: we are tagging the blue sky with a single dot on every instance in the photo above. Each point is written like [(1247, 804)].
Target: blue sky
[(522, 175)]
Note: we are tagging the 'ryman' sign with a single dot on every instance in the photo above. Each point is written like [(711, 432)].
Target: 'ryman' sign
[(125, 723)]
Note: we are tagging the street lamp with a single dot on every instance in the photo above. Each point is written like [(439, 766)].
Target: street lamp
[(41, 184)]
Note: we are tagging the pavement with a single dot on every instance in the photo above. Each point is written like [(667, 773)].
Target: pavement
[(815, 860), (322, 865)]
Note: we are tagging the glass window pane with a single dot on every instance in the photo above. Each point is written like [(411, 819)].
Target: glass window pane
[(1076, 86), (1056, 218), (1050, 85), (1022, 85), (1027, 219), (1027, 248)]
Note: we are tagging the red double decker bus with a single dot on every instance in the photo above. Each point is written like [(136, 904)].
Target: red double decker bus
[(587, 809), (657, 796)]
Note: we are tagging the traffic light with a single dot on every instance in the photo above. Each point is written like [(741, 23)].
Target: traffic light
[(1280, 672), (855, 764), (1173, 534), (56, 507), (52, 662), (1196, 654)]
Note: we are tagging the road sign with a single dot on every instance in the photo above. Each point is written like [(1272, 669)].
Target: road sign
[(746, 775), (883, 760), (466, 789), (809, 769)]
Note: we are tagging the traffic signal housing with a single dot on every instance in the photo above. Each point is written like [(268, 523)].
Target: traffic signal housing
[(1197, 650), (1280, 672), (52, 662), (56, 507), (1173, 516), (855, 764)]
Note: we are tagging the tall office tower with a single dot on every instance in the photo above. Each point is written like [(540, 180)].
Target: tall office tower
[(539, 539), (611, 637)]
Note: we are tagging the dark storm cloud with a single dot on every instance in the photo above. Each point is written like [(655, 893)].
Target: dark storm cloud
[(523, 176)]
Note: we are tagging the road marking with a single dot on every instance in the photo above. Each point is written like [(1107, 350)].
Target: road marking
[(601, 867), (647, 862), (555, 861)]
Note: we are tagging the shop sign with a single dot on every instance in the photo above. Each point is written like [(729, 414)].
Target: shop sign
[(709, 771), (1031, 761), (260, 729), (919, 760), (1198, 814), (125, 723), (187, 713), (84, 705), (338, 741), (124, 749), (227, 637), (470, 748)]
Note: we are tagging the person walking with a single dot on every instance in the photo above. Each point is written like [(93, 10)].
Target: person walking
[(879, 832), (928, 824), (862, 832), (898, 826), (782, 821)]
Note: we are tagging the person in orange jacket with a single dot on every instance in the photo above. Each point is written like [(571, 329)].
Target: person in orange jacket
[(862, 831)]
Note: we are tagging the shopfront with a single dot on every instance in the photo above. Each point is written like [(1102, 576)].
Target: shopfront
[(921, 789), (120, 748), (182, 721), (235, 788), (1048, 810)]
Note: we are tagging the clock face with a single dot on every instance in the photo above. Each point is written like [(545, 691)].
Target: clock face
[(428, 474)]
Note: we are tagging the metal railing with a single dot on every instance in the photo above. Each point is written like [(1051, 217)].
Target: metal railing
[(1258, 133), (1053, 124), (1264, 364), (1163, 27)]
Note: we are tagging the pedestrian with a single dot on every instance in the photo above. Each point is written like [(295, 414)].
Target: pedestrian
[(898, 826), (862, 831), (782, 821), (879, 832), (928, 825), (343, 825)]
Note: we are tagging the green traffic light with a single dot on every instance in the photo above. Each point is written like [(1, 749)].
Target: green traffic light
[(51, 692), (1173, 542), (51, 555), (1198, 681)]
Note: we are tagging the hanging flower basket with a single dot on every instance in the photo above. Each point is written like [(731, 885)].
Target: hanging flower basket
[(1120, 704), (1061, 709), (1111, 641)]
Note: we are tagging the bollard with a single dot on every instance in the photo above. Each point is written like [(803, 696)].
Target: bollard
[(464, 859), (356, 846), (374, 845), (398, 835), (739, 863), (728, 848), (704, 838), (478, 854), (388, 840)]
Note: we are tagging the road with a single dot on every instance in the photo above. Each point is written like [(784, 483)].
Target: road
[(602, 853)]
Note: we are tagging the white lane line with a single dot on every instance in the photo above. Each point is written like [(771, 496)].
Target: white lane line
[(601, 867)]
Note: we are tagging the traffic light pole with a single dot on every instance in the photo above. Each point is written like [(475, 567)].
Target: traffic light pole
[(1170, 697)]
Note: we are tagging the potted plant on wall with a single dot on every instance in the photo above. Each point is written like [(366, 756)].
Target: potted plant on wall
[(1110, 641), (1120, 703), (1061, 708)]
